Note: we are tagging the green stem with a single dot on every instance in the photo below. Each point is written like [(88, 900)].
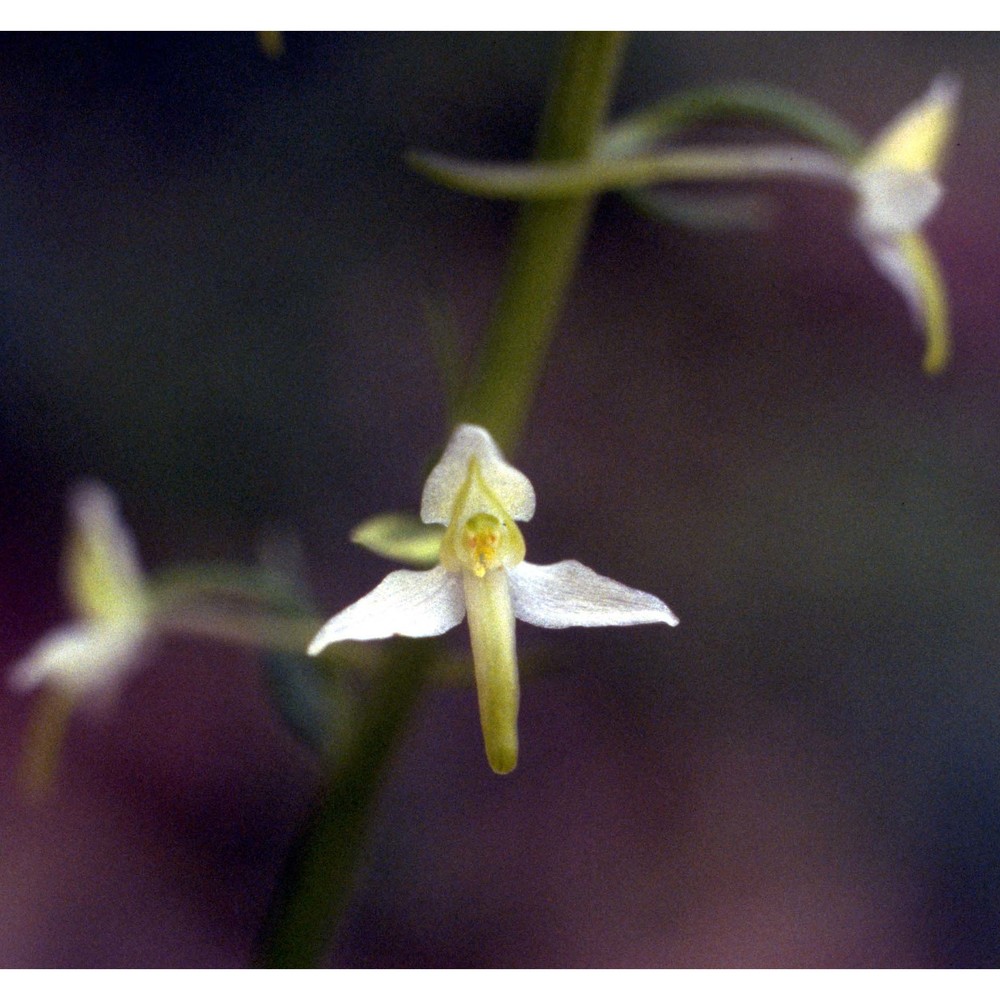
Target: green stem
[(316, 883), (546, 245), (320, 871)]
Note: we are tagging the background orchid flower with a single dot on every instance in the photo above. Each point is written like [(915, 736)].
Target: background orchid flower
[(105, 587), (898, 189), (482, 574), (895, 179)]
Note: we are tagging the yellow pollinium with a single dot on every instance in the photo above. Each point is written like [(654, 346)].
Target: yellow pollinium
[(482, 536), (481, 543)]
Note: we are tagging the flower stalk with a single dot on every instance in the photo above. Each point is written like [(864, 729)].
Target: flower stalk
[(315, 885), (546, 244), (321, 868), (551, 181)]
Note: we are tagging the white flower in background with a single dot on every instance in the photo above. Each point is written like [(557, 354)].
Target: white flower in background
[(898, 190), (482, 574), (105, 587)]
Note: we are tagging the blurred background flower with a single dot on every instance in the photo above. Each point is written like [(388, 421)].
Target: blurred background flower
[(213, 276)]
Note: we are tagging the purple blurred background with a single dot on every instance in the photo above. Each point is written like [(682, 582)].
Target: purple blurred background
[(213, 270)]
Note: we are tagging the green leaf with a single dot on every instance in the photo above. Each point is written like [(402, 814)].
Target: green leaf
[(318, 704), (403, 537), (737, 211)]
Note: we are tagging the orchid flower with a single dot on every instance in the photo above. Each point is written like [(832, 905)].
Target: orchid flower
[(106, 589), (895, 180), (898, 189), (482, 575)]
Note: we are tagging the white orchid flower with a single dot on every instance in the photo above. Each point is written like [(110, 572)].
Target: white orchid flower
[(898, 190), (105, 586), (482, 574)]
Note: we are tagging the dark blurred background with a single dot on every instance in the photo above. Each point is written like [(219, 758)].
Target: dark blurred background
[(213, 277)]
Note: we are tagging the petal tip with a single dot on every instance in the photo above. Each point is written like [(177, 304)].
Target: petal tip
[(91, 495), (935, 361), (24, 676), (945, 88), (502, 756)]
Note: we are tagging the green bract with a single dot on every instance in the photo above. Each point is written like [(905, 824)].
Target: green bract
[(402, 537)]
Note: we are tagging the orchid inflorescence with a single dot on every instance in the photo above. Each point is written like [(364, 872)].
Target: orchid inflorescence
[(469, 543), (349, 701)]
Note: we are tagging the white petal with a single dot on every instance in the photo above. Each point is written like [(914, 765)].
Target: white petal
[(406, 602), (568, 593), (892, 263), (81, 658), (510, 487), (895, 201)]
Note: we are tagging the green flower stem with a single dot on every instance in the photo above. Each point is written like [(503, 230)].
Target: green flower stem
[(315, 886), (46, 728), (256, 631), (546, 244), (188, 584), (550, 181), (320, 871)]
